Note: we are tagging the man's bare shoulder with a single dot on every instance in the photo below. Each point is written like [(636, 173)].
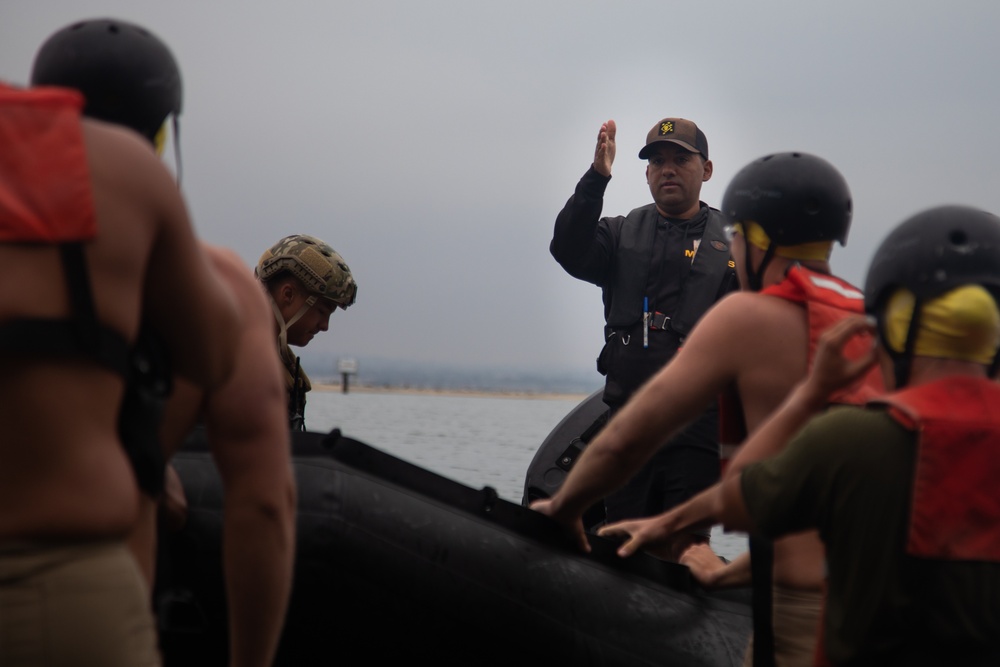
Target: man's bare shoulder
[(257, 380), (740, 322), (116, 141), (230, 265), (239, 278), (124, 164), (750, 313)]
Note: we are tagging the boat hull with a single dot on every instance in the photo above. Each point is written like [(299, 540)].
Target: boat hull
[(395, 563)]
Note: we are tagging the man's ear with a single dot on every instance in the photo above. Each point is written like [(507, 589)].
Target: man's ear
[(708, 171), (287, 291)]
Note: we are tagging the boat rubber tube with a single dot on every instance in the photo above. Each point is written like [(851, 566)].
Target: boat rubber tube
[(396, 563)]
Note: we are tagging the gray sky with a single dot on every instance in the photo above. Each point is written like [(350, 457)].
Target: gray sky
[(433, 143)]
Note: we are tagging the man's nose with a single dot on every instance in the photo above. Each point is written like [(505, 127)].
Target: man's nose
[(668, 167)]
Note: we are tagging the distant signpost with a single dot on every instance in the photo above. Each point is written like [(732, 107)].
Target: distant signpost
[(346, 367)]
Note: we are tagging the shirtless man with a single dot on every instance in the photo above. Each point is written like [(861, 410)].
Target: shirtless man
[(95, 239), (244, 417), (756, 343), (250, 444), (903, 491)]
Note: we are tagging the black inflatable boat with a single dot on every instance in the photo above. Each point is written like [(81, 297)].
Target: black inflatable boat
[(560, 449), (398, 565)]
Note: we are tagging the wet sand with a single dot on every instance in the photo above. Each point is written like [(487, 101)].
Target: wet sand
[(428, 391)]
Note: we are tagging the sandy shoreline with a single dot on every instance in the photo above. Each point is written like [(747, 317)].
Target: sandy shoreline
[(369, 389)]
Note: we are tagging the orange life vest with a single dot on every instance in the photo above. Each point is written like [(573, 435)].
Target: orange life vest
[(45, 191), (955, 510), (955, 513), (827, 300), (45, 197)]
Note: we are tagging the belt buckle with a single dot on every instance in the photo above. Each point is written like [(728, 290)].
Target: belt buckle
[(659, 321)]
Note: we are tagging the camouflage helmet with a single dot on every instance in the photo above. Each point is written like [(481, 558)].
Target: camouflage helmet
[(318, 266)]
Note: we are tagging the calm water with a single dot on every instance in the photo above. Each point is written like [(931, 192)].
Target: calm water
[(478, 441)]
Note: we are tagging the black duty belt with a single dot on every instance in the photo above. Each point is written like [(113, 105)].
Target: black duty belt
[(657, 322)]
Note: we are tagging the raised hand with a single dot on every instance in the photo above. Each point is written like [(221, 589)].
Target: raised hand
[(604, 154), (832, 368)]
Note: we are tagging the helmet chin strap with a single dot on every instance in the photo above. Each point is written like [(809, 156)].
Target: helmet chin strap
[(902, 362), (756, 278), (282, 324), (177, 146)]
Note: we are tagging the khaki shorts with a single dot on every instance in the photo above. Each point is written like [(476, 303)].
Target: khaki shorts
[(796, 618), (75, 604)]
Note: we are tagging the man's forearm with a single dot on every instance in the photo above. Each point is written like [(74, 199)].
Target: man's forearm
[(735, 574), (731, 509), (660, 530), (258, 554), (651, 417), (575, 241), (610, 460), (600, 471), (700, 511)]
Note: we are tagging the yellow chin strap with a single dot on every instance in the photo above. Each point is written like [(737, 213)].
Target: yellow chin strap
[(963, 324), (160, 140), (755, 234)]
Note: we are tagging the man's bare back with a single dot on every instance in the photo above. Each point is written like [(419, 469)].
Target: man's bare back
[(245, 422), (60, 416), (771, 356)]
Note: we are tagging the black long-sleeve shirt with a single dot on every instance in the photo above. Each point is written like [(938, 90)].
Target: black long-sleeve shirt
[(585, 244)]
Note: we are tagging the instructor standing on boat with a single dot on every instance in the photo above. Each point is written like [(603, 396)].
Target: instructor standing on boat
[(660, 268)]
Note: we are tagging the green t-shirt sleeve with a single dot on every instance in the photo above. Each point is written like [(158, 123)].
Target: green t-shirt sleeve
[(822, 467)]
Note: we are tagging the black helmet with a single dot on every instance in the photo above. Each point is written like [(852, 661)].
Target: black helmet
[(795, 197), (934, 252), (930, 254), (127, 74)]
